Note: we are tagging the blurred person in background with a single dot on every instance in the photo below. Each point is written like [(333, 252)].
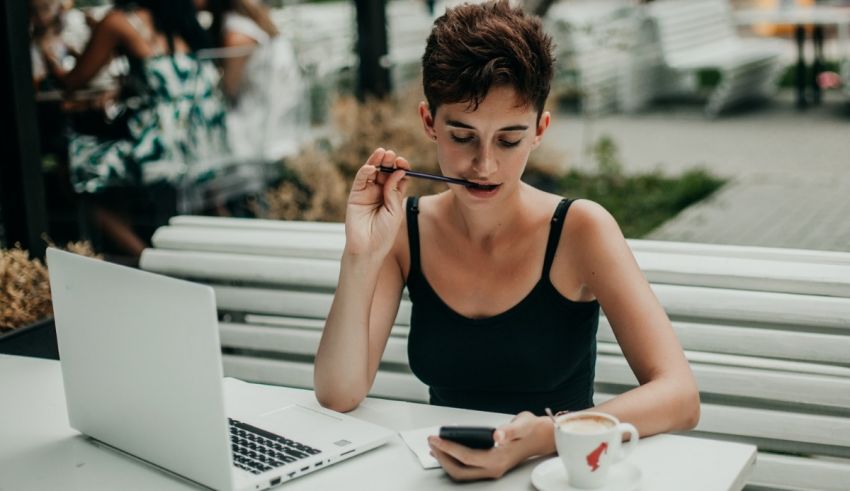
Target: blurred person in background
[(260, 77), (166, 125), (47, 23)]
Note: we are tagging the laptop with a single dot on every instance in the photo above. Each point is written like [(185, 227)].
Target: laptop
[(141, 363)]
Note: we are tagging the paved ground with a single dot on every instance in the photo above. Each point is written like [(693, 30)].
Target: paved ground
[(789, 170)]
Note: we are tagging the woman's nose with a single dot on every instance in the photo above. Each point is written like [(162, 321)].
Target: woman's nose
[(485, 162)]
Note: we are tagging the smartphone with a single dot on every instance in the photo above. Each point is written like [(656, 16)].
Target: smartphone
[(479, 437)]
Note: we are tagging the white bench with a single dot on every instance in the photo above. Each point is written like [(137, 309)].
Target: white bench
[(699, 34), (767, 331)]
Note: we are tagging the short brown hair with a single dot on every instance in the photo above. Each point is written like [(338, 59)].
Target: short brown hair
[(475, 46)]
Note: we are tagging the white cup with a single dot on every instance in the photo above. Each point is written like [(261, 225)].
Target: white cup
[(589, 443)]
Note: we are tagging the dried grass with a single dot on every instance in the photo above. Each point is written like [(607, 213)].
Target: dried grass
[(25, 286)]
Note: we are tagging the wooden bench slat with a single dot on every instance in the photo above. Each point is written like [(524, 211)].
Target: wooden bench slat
[(315, 305), (637, 245), (792, 388), (746, 274), (814, 429), (255, 223), (294, 374), (743, 252), (293, 340), (754, 342), (315, 324), (765, 308), (814, 279), (228, 267), (249, 241), (750, 362), (799, 473), (680, 302)]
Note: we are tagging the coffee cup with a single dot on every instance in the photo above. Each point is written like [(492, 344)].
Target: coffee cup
[(589, 443)]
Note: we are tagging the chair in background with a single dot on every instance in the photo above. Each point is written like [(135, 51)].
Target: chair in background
[(699, 35), (606, 54)]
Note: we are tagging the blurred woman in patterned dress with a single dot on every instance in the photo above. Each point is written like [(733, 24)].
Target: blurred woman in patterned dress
[(168, 125)]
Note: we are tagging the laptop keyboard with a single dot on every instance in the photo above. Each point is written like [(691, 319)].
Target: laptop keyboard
[(256, 450)]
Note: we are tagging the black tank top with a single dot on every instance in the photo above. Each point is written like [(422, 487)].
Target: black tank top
[(539, 353)]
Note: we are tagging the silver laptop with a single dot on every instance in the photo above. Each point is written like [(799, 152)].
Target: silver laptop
[(142, 368)]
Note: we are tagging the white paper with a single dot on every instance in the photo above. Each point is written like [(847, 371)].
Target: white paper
[(417, 442)]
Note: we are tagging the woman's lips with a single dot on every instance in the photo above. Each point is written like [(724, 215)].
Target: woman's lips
[(483, 185), (483, 189)]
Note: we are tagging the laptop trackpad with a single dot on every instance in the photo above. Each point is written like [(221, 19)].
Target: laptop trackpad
[(297, 420)]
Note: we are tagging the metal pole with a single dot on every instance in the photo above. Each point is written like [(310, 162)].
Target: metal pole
[(373, 74), (21, 182)]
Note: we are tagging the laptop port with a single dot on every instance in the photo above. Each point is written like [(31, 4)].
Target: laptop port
[(290, 474), (305, 468), (346, 453), (318, 463), (275, 481)]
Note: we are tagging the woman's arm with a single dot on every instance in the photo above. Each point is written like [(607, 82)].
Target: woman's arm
[(106, 37), (667, 398), (233, 67), (369, 291)]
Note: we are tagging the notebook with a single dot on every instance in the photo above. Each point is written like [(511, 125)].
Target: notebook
[(141, 363)]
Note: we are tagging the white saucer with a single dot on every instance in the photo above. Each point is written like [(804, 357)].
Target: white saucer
[(551, 476)]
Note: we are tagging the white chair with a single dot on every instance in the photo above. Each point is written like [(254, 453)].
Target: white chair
[(698, 35)]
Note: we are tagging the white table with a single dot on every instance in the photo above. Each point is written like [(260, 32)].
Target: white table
[(817, 16), (39, 451)]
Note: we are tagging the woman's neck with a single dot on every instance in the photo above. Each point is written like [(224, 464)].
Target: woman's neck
[(488, 227)]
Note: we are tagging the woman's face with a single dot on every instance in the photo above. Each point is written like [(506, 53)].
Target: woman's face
[(489, 145), (44, 13)]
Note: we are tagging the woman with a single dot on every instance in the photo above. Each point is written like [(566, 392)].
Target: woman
[(173, 125), (505, 284), (47, 26), (261, 79)]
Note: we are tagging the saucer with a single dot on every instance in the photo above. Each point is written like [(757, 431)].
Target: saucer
[(551, 476)]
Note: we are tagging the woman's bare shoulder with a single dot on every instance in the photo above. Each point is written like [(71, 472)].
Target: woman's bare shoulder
[(590, 229)]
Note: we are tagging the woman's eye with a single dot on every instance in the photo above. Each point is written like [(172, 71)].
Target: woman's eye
[(461, 139), (508, 144)]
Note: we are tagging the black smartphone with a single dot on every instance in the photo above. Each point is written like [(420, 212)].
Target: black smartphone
[(479, 437)]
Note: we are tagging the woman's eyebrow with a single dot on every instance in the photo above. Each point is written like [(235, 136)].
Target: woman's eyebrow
[(458, 124)]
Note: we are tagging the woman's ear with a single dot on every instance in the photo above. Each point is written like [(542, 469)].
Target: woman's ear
[(427, 120), (542, 125)]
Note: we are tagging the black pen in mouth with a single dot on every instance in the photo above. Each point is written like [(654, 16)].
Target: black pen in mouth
[(449, 180)]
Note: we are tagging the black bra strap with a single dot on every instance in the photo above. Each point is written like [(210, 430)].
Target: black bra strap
[(555, 227), (413, 231)]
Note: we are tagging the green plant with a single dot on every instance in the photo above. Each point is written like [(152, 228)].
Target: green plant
[(639, 202)]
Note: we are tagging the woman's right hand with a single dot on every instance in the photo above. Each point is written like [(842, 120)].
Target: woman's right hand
[(375, 205)]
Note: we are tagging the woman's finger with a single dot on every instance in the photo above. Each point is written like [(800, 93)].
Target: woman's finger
[(519, 427), (365, 176), (457, 470), (388, 160), (377, 157), (461, 453)]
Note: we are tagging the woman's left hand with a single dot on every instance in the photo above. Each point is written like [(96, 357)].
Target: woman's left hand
[(516, 441)]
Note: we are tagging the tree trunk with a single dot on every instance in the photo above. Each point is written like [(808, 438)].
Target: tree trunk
[(373, 75)]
